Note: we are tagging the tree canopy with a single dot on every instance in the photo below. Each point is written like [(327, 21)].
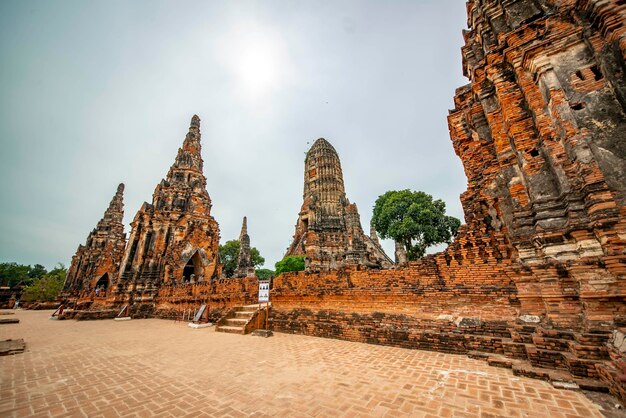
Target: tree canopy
[(289, 263), (264, 274), (46, 287), (229, 253), (414, 220), (13, 273)]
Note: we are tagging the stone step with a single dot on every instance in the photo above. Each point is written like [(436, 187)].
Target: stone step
[(244, 313), (514, 349), (581, 367), (559, 378), (555, 334), (592, 385), (236, 322), (593, 339), (550, 375), (552, 344), (495, 360), (542, 358), (238, 319), (500, 361), (477, 355), (230, 329), (589, 352)]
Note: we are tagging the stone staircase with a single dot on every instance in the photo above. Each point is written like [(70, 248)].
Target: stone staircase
[(239, 320)]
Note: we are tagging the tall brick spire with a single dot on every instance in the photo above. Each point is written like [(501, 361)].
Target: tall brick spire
[(185, 176), (374, 235), (114, 215), (329, 231), (188, 163), (98, 261), (174, 239), (245, 268), (323, 180)]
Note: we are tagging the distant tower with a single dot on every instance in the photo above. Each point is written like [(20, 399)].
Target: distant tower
[(328, 231), (174, 239), (96, 263), (401, 257), (374, 236), (245, 268)]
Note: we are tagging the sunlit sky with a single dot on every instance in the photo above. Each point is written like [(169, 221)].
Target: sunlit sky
[(94, 93)]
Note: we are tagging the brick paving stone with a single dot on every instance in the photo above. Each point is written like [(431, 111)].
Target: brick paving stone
[(151, 368)]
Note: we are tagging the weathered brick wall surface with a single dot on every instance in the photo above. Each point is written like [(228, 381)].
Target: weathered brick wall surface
[(393, 329), (463, 313), (219, 295), (540, 131), (430, 305), (426, 289)]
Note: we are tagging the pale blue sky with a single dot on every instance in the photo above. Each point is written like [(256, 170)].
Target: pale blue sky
[(93, 93)]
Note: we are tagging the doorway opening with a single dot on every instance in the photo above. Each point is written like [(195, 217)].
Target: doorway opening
[(193, 269), (103, 282)]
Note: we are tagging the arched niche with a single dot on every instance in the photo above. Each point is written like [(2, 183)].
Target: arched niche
[(193, 267)]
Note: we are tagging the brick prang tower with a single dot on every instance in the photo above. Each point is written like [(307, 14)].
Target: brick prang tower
[(174, 239), (328, 231), (97, 262), (245, 268)]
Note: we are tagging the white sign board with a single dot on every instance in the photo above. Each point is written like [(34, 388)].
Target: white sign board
[(264, 291)]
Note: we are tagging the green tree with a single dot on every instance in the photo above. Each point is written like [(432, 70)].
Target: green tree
[(47, 287), (264, 274), (37, 271), (229, 253), (13, 273), (289, 263), (414, 220)]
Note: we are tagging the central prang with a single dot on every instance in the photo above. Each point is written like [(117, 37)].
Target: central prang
[(328, 231)]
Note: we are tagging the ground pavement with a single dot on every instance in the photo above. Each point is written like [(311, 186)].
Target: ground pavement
[(163, 368)]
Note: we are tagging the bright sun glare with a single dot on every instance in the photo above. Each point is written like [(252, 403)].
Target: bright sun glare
[(257, 68), (258, 60)]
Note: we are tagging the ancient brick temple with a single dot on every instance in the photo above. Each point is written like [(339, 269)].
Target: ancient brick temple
[(96, 263), (245, 268), (328, 231), (541, 131), (174, 239), (536, 278)]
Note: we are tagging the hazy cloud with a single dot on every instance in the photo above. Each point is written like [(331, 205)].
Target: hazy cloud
[(95, 93)]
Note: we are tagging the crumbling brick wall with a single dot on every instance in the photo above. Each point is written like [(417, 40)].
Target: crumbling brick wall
[(218, 295), (462, 308)]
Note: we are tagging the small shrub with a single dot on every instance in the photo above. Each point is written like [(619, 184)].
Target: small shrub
[(290, 263)]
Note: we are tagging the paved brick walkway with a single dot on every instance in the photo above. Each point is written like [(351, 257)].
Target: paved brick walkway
[(162, 368)]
